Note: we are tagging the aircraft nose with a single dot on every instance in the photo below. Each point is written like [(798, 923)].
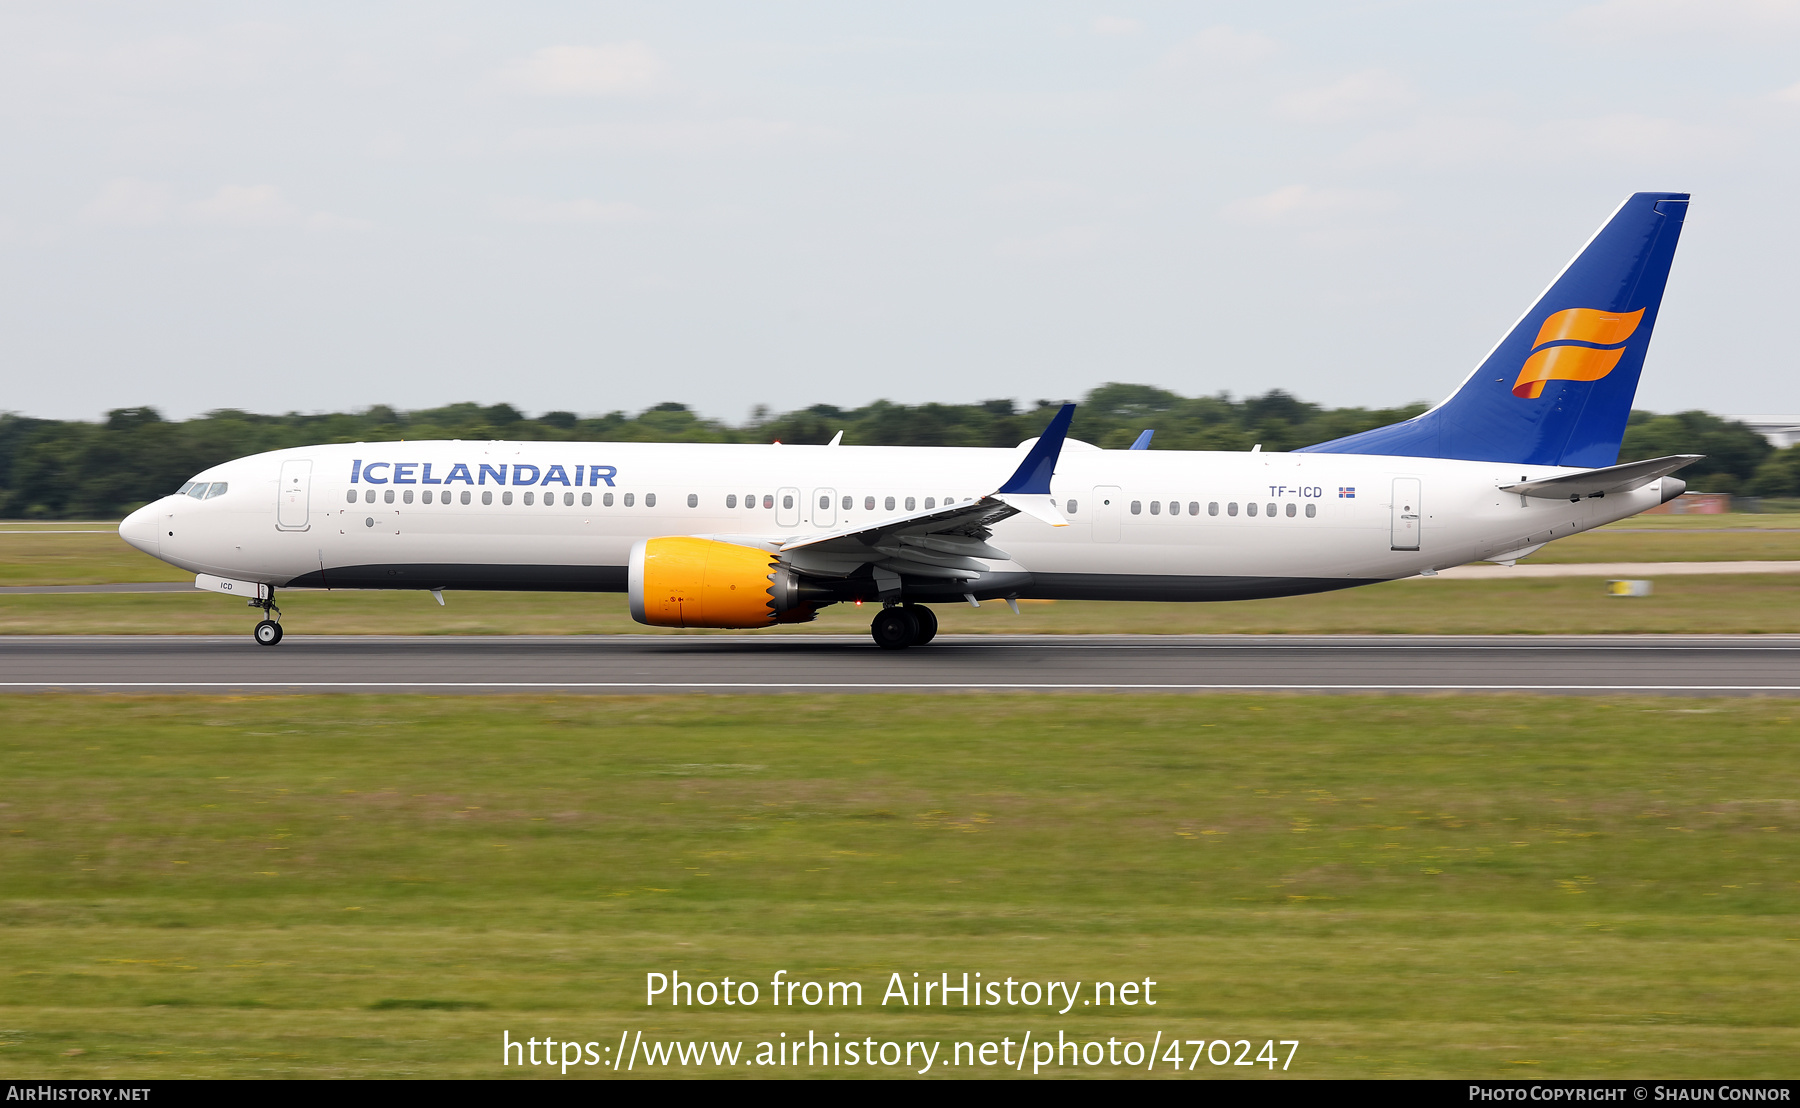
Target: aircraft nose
[(139, 529)]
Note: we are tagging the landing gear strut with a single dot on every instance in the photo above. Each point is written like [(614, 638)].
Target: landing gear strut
[(902, 626), (268, 631)]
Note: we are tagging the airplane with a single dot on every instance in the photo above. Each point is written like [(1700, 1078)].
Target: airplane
[(1524, 452)]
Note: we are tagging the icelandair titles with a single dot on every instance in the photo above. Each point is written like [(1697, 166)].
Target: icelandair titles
[(419, 473)]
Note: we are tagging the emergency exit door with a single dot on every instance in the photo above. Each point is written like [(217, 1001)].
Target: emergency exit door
[(291, 500), (787, 508), (824, 504), (1106, 506), (1406, 513)]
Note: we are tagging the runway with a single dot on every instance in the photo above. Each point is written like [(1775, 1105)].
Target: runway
[(1690, 665)]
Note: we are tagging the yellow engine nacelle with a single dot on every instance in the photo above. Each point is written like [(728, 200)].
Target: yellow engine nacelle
[(687, 582)]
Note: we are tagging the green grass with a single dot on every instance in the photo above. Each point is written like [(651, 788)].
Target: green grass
[(337, 886), (1741, 604)]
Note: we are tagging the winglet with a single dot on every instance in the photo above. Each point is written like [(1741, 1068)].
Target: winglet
[(1143, 440), (1032, 478)]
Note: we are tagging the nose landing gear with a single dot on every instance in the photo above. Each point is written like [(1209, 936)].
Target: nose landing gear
[(268, 631), (902, 626)]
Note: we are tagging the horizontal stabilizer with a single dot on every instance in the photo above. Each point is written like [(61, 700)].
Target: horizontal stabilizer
[(1599, 482)]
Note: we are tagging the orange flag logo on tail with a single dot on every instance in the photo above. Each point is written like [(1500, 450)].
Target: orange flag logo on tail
[(1576, 344)]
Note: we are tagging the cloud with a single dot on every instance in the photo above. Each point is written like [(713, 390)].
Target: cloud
[(1369, 92), (1059, 245), (130, 202), (1221, 48), (667, 136), (1615, 19), (531, 210), (1453, 142), (326, 221), (613, 69), (1304, 204), (1115, 25), (244, 206)]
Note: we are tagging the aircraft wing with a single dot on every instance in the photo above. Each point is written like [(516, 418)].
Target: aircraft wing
[(947, 542), (1599, 482)]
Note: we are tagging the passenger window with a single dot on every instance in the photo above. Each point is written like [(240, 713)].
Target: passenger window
[(528, 497), (768, 500), (787, 503), (1231, 508), (569, 499), (890, 503), (868, 503), (606, 500), (731, 500), (1271, 511), (649, 500), (630, 499), (587, 500), (693, 500), (911, 504), (351, 499), (1250, 510), (1290, 511), (1312, 510), (824, 503), (487, 497), (1212, 508), (848, 501), (369, 497), (387, 497), (1074, 506), (505, 497), (1194, 508), (930, 503), (426, 496), (407, 496), (1137, 507)]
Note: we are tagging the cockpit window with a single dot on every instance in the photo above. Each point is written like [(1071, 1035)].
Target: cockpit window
[(198, 490), (182, 491), (218, 489)]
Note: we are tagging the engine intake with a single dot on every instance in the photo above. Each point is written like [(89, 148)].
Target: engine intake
[(679, 581)]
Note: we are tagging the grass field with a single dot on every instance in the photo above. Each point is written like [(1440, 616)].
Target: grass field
[(1737, 604), (1747, 604), (335, 886)]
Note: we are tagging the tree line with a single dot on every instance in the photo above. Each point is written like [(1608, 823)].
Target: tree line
[(69, 469)]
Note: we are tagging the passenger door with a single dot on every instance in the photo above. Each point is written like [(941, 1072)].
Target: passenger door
[(1106, 508), (291, 501), (787, 508), (1407, 513)]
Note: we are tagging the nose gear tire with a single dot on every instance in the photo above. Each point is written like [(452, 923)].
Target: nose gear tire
[(267, 633)]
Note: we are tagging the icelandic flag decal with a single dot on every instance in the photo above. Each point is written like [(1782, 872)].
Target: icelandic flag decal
[(1346, 493)]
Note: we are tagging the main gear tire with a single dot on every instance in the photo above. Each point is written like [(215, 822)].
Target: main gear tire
[(894, 628), (928, 623)]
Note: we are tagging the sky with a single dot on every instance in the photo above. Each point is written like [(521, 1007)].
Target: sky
[(600, 206)]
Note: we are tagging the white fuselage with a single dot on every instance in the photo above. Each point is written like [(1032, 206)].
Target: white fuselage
[(1247, 524)]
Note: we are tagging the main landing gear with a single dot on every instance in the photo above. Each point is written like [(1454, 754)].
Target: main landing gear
[(268, 632), (904, 625)]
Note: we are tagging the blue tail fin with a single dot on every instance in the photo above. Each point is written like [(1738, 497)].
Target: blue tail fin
[(1557, 390)]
